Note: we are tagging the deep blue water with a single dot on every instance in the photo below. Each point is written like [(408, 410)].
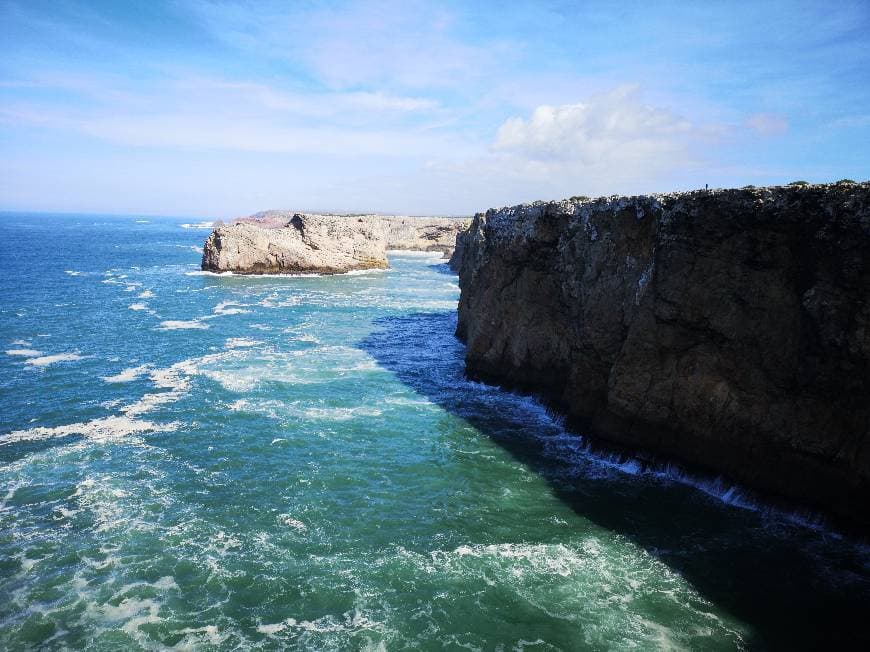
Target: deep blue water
[(222, 462)]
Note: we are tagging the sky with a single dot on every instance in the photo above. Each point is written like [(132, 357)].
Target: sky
[(218, 108)]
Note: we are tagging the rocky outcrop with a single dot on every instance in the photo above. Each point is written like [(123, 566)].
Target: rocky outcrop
[(307, 244), (728, 329), (283, 242), (455, 262), (423, 233)]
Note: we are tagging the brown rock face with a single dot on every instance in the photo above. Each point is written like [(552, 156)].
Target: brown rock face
[(728, 329)]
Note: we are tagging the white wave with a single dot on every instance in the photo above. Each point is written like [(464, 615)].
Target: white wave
[(73, 273), (235, 380), (138, 306), (414, 253), (305, 337), (286, 519), (196, 249), (197, 225), (173, 325), (340, 414), (230, 308), (143, 222), (26, 353), (241, 342), (362, 272), (46, 360), (297, 275), (352, 621), (20, 343), (145, 294), (205, 637), (275, 628), (103, 429), (128, 375)]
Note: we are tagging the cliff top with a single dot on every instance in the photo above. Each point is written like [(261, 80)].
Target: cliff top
[(763, 193)]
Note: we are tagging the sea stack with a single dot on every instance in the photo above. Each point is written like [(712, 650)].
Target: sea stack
[(276, 242), (318, 244), (728, 329)]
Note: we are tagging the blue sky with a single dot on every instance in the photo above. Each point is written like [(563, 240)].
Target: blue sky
[(219, 108)]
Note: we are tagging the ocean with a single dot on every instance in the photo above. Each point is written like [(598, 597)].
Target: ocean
[(200, 461)]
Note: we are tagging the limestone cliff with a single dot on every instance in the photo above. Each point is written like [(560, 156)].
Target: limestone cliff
[(309, 243), (728, 329), (284, 242)]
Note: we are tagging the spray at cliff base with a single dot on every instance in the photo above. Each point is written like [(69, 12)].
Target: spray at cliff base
[(226, 462)]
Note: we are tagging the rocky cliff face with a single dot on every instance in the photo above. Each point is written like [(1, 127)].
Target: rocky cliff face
[(308, 243), (281, 242), (728, 329), (423, 233)]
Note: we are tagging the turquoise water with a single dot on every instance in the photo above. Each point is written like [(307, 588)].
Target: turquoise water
[(219, 462)]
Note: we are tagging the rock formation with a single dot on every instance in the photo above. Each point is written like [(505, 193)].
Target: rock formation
[(309, 243), (423, 234), (282, 242), (728, 329)]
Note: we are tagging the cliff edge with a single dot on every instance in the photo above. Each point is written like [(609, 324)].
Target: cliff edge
[(728, 328)]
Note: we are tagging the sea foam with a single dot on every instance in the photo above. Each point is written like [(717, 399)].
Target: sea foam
[(45, 360), (128, 375), (174, 325)]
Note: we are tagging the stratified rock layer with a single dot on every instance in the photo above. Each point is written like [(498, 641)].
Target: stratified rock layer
[(728, 329), (281, 242)]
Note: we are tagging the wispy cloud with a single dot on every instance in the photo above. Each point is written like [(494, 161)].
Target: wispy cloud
[(209, 114), (767, 124), (403, 45), (419, 106)]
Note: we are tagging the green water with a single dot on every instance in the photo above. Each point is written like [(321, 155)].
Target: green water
[(269, 463)]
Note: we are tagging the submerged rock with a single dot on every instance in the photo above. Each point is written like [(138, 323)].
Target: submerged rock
[(280, 242), (728, 329)]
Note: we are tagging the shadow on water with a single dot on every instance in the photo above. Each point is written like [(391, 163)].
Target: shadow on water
[(796, 588)]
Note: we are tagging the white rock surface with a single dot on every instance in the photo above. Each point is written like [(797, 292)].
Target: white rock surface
[(275, 242)]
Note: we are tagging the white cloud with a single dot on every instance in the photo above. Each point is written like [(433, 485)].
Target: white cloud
[(612, 127), (767, 124), (611, 142), (608, 143)]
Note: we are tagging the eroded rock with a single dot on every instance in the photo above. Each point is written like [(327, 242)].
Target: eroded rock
[(728, 329), (282, 242)]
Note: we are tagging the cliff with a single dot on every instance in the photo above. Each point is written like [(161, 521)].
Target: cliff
[(283, 242), (728, 329)]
